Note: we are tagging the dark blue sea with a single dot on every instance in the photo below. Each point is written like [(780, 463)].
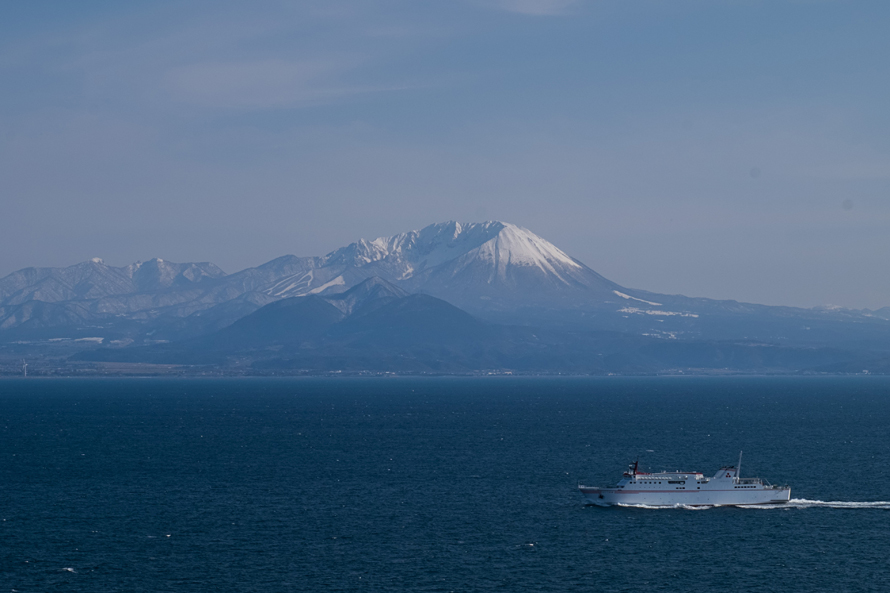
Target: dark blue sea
[(435, 484)]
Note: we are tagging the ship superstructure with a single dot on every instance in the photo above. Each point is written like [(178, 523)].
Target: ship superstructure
[(672, 488)]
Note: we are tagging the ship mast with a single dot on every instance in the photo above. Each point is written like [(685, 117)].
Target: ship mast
[(738, 469)]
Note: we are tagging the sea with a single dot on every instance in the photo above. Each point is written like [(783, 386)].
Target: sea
[(436, 484)]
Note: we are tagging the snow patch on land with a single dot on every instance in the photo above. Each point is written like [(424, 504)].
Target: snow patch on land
[(654, 312), (295, 286), (338, 281), (627, 296), (663, 335)]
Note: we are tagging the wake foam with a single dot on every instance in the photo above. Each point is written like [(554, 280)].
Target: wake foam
[(794, 503), (803, 503), (684, 507)]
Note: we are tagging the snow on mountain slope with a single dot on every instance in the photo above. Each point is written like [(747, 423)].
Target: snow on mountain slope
[(90, 279), (480, 263), (515, 246), (498, 271), (497, 243), (511, 257), (428, 247), (491, 265), (157, 274), (94, 280)]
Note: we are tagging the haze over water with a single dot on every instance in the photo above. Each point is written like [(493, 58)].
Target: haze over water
[(435, 484)]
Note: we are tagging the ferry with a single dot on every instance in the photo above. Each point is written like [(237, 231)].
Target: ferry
[(667, 489)]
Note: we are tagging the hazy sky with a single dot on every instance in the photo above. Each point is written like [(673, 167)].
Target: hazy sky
[(736, 149)]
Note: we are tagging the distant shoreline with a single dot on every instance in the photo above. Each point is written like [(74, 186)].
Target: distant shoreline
[(205, 374)]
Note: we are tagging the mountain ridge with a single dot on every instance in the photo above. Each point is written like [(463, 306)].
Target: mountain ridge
[(494, 270), (419, 333)]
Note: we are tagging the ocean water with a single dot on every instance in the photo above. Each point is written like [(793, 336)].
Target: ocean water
[(437, 484)]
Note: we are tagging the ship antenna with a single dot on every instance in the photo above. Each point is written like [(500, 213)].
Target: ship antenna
[(738, 470)]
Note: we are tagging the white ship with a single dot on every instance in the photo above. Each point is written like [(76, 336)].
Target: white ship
[(687, 489)]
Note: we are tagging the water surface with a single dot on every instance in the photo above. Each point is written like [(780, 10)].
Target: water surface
[(435, 484)]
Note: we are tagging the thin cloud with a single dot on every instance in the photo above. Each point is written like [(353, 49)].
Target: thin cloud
[(537, 7), (259, 84)]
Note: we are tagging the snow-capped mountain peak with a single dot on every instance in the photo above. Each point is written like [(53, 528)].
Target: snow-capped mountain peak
[(498, 244), (452, 259), (516, 246), (434, 245), (474, 265)]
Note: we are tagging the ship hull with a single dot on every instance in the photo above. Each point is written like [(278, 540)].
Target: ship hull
[(668, 498)]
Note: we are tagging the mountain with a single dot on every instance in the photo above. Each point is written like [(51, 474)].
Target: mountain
[(93, 297), (368, 294), (382, 328), (412, 318), (95, 280), (491, 265), (420, 333), (485, 266), (499, 274), (285, 322)]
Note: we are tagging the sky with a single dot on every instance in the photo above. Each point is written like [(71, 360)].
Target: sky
[(725, 149)]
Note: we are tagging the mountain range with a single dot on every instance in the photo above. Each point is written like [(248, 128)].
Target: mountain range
[(514, 300)]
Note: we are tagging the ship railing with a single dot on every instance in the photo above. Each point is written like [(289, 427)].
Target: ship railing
[(750, 481)]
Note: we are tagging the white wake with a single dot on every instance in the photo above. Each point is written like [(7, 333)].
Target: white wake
[(794, 503), (685, 507), (803, 503)]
